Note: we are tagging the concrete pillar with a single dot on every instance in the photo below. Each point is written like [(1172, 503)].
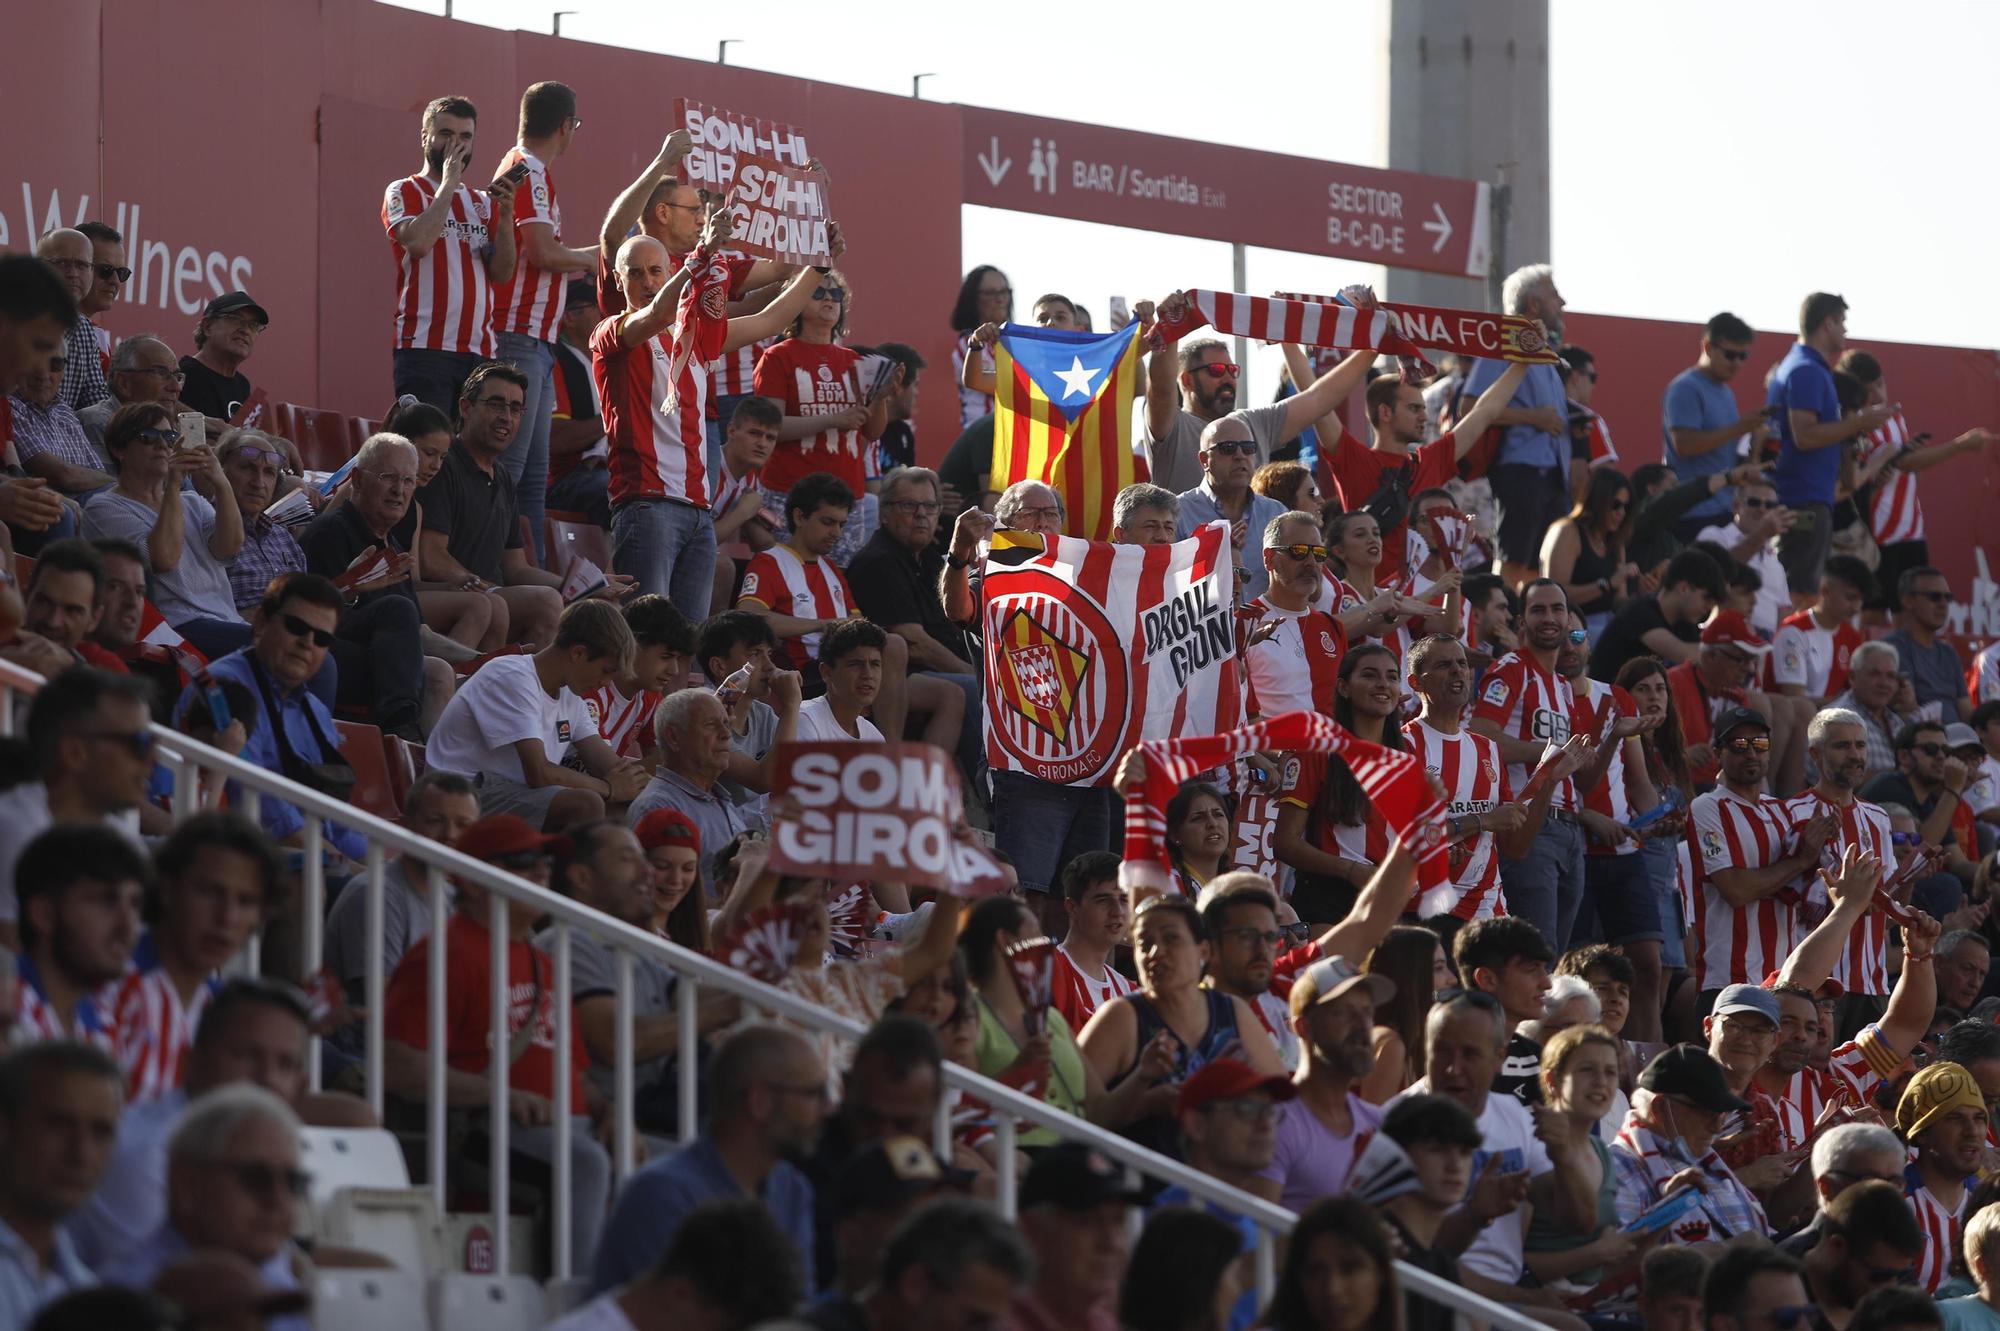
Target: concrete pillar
[(1469, 96)]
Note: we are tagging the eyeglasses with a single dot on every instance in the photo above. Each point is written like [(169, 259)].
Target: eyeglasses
[(1758, 503), (1042, 514), (1786, 1317), (392, 479), (138, 742), (687, 207), (265, 1180), (257, 454), (70, 265), (1929, 748), (107, 271), (1222, 369), (1748, 744), (1732, 355), (1233, 446), (1302, 551), (161, 371), (915, 507), (298, 628), (508, 405), (995, 292), (1251, 937), (245, 320), (1244, 1111), (576, 122)]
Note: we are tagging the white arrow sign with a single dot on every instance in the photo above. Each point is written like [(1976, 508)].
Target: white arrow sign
[(1441, 228), (995, 166)]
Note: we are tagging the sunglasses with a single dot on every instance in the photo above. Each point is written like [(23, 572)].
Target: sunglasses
[(156, 435), (107, 271), (256, 454), (1733, 355), (138, 742), (1889, 1275), (298, 628), (829, 293), (1303, 551), (1749, 744), (1930, 749), (1793, 1314), (1578, 637), (1222, 369), (1246, 446), (1905, 838)]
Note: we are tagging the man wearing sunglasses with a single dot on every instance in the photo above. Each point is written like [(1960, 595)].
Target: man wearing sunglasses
[(1930, 782), (69, 252), (1756, 1288), (1294, 653), (1704, 425), (1228, 454), (1868, 1240), (1932, 664), (1751, 538)]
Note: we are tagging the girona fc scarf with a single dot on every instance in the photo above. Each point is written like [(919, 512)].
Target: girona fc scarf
[(1395, 783), (1396, 329)]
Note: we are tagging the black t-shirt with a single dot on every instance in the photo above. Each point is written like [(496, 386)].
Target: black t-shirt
[(1421, 1314), (474, 510), (893, 586), (969, 457), (210, 393), (1520, 1072), (335, 538), (1625, 637), (1895, 788), (898, 446)]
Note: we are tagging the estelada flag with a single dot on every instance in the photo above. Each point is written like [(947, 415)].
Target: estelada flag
[(1062, 414), (1093, 647)]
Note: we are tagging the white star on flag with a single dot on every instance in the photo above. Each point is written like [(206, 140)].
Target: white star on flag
[(1076, 379)]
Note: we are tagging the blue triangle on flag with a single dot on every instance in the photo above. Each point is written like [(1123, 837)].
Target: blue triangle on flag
[(1070, 368)]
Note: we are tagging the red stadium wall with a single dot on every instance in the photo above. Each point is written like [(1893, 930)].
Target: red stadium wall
[(272, 180)]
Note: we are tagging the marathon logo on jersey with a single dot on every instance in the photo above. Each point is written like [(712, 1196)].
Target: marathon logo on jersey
[(1496, 692)]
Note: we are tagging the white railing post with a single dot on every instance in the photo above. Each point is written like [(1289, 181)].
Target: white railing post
[(434, 1082), (310, 930), (1003, 1145), (621, 1065), (689, 1065), (941, 1126), (372, 980), (560, 1205), (1267, 1266), (498, 1068), (186, 797)]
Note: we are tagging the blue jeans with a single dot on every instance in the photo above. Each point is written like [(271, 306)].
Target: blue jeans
[(585, 489), (1042, 826), (668, 548), (527, 457), (215, 638), (1662, 856), (432, 377), (1545, 886)]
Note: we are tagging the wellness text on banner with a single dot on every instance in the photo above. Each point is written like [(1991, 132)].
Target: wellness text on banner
[(871, 810), (776, 190)]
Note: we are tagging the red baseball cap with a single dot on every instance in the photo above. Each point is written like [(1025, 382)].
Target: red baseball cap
[(1727, 628), (1829, 987), (501, 834), (1230, 1079), (668, 827)]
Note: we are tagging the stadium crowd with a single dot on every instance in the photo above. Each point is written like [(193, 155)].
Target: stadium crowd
[(1693, 1023)]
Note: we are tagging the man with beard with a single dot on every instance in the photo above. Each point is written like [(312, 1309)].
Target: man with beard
[(1867, 1241), (1930, 782), (1837, 742), (66, 602), (452, 244), (1320, 1132), (1975, 1046), (1530, 473), (81, 889), (1227, 453), (1942, 1117), (767, 1099)]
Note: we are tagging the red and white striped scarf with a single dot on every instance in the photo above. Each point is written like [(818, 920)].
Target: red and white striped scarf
[(1395, 783), (1396, 329)]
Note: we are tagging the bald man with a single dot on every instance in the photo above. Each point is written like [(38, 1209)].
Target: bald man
[(69, 252)]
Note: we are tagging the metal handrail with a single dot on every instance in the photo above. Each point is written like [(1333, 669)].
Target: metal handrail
[(185, 757)]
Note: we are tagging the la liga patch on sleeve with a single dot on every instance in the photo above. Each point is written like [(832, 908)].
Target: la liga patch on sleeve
[(749, 584), (1496, 692)]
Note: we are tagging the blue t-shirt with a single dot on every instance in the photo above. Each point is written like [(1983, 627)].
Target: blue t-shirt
[(659, 1196), (1244, 1313), (1696, 402), (1524, 444), (1804, 382)]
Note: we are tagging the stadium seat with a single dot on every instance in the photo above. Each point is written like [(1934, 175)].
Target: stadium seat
[(406, 764), (528, 542), (350, 1158), (358, 430), (573, 533), (322, 436), (400, 1224), (347, 1299), (361, 745), (460, 1302)]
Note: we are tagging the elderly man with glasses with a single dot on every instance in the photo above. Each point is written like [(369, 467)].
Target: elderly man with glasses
[(143, 369), (48, 436), (1669, 1136), (69, 252)]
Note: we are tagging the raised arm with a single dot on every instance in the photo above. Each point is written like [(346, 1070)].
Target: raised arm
[(501, 256), (1851, 891), (1914, 1000), (417, 234), (658, 315), (1485, 412), (775, 317), (1382, 900), (1163, 389), (1326, 393), (631, 201)]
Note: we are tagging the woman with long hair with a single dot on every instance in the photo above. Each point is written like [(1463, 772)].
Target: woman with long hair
[(672, 844), (830, 422), (1143, 1045), (1645, 678), (1580, 1082), (1363, 607), (1410, 956), (1339, 1273), (1004, 1049), (1188, 1272), (1199, 828), (1585, 551), (1326, 827), (984, 297)]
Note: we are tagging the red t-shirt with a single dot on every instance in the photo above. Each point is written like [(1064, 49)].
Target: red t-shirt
[(1696, 706), (468, 1025), (1357, 474), (813, 379)]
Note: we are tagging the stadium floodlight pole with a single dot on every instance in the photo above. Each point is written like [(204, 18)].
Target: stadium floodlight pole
[(917, 82), (1240, 275), (722, 49), (555, 22)]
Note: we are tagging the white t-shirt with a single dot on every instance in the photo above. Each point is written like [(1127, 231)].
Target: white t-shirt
[(1774, 596), (600, 1314), (24, 815), (502, 704), (1982, 792), (816, 722), (1507, 1130)]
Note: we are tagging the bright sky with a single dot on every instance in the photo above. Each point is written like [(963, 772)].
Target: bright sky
[(1706, 155)]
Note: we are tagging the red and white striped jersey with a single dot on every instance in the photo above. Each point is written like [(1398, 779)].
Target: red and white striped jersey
[(626, 724), (35, 1021), (653, 455), (735, 372), (1294, 669), (443, 299), (1814, 658), (1863, 967), (1942, 1229), (779, 580), (1304, 779), (1612, 795), (1077, 995), (1852, 1073), (1529, 703), (1732, 945), (1894, 514), (1475, 781), (1274, 1014), (1982, 677), (155, 1031), (531, 302), (730, 487)]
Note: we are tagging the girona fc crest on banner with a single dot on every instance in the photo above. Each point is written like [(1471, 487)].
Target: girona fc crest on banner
[(1057, 711), (1046, 674)]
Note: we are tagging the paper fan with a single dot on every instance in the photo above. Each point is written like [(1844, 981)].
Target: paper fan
[(849, 916), (1032, 963), (1382, 1171), (767, 943)]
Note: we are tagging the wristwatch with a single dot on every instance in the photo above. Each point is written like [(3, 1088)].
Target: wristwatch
[(954, 561)]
